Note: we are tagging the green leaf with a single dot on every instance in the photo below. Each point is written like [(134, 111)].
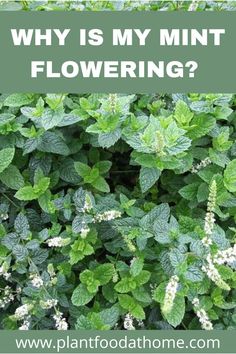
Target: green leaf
[(109, 293), (42, 185), (12, 177), (202, 192), (68, 172), (159, 292), (101, 185), (176, 257), (125, 285), (148, 177), (136, 266), (162, 231), (183, 115), (126, 301), (26, 193), (142, 295), (46, 203), (106, 140), (69, 119), (202, 124), (6, 118), (38, 175), (138, 312), (83, 323), (189, 191), (159, 213), (103, 166), (110, 316), (21, 225), (219, 158), (230, 176), (194, 274), (145, 160), (142, 277), (50, 118), (132, 306), (82, 169), (81, 296), (20, 252), (10, 6), (176, 315), (79, 222), (92, 176), (104, 273), (18, 99), (53, 143), (6, 157)]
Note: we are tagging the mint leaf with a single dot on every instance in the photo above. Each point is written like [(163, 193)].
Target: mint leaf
[(81, 296), (6, 157), (230, 176), (12, 177), (148, 177)]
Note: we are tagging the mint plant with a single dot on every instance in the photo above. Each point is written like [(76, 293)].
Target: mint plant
[(117, 211)]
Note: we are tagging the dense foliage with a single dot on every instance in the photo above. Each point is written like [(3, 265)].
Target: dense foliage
[(118, 5), (117, 211)]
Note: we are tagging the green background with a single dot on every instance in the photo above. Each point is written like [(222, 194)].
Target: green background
[(216, 71)]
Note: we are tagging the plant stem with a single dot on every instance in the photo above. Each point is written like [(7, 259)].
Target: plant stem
[(127, 171), (11, 201)]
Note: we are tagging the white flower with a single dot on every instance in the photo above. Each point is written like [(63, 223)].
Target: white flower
[(55, 242), (131, 247), (204, 319), (170, 294), (196, 302), (207, 241), (128, 322), (61, 324), (210, 217), (84, 232), (107, 216), (208, 326), (115, 277), (50, 270), (194, 5), (212, 196), (209, 223), (7, 297), (36, 280), (4, 273), (113, 102), (88, 205), (213, 274), (22, 311), (25, 325), (202, 315), (48, 304), (132, 261), (202, 164), (4, 216), (227, 256)]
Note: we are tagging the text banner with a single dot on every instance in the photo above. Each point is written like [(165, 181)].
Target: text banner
[(117, 52), (117, 341)]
